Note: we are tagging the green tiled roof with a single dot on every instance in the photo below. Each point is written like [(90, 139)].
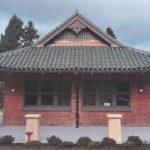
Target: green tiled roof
[(96, 58)]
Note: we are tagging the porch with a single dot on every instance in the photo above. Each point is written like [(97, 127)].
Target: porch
[(71, 133)]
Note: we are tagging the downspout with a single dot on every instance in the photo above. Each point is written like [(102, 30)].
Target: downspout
[(77, 106)]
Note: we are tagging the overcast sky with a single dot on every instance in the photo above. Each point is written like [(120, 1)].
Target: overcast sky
[(130, 19)]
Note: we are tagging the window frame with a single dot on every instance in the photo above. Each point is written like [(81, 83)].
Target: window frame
[(114, 107), (39, 106)]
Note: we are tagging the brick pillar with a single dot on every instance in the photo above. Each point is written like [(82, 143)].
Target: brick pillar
[(33, 125), (114, 127)]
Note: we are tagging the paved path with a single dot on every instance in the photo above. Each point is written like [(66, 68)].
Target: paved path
[(71, 133)]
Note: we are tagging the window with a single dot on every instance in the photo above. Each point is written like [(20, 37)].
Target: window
[(31, 94), (50, 94), (47, 93), (106, 96), (90, 93), (64, 93), (122, 94)]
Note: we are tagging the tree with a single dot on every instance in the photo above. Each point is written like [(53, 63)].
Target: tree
[(17, 35), (13, 33), (30, 34), (111, 32)]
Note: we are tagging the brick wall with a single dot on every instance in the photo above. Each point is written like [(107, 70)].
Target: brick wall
[(140, 102)]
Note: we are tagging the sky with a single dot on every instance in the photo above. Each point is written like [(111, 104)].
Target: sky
[(130, 19)]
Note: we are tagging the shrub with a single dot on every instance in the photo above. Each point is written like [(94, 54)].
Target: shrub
[(136, 140), (128, 145), (95, 144), (83, 141), (108, 142), (34, 144), (67, 144), (8, 139), (54, 141)]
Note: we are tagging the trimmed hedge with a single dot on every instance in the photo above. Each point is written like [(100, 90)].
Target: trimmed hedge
[(54, 141), (108, 142), (34, 144), (68, 144), (83, 141), (95, 144), (7, 139), (136, 140)]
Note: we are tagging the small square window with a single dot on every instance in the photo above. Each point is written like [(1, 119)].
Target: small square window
[(64, 86), (30, 99), (105, 87), (122, 100), (47, 99), (105, 99), (63, 99), (47, 87), (122, 87), (31, 87), (89, 87), (89, 99)]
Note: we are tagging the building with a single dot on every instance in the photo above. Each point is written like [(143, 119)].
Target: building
[(74, 76)]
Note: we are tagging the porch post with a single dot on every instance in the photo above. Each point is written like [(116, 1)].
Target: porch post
[(32, 126), (114, 127)]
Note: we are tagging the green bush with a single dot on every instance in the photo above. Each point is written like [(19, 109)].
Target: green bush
[(95, 144), (83, 141), (68, 144), (54, 141), (34, 144), (7, 139), (128, 145), (108, 142), (136, 140)]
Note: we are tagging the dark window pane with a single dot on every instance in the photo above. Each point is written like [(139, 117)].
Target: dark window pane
[(31, 99), (31, 87), (105, 87), (122, 87), (122, 100), (105, 99), (63, 99), (90, 87), (89, 99), (47, 87), (47, 99), (64, 86)]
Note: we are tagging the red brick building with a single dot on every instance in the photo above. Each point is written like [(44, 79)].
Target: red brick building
[(74, 76)]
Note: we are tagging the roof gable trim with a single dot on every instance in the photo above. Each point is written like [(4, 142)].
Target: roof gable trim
[(76, 23)]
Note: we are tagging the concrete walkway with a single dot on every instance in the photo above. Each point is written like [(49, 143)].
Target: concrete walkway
[(71, 133)]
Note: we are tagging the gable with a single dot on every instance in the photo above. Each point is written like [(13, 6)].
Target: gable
[(75, 27), (84, 37)]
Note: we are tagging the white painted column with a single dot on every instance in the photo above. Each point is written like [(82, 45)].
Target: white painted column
[(114, 127), (33, 125)]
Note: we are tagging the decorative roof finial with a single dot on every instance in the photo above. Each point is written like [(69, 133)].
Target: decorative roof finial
[(77, 11)]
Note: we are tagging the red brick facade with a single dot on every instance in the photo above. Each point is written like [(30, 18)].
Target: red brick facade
[(140, 102)]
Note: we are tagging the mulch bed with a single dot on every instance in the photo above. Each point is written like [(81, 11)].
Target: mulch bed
[(47, 147)]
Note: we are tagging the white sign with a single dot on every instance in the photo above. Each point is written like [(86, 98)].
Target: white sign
[(106, 104)]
